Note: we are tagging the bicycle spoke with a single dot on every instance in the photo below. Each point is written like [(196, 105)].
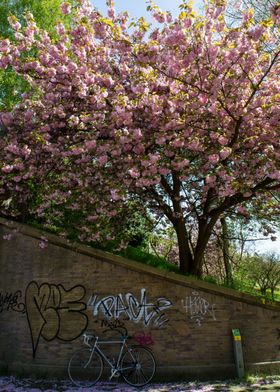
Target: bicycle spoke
[(142, 365), (85, 368)]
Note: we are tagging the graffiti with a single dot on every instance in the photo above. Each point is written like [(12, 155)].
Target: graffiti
[(128, 306), (144, 339), (11, 302), (198, 308), (54, 312), (113, 325)]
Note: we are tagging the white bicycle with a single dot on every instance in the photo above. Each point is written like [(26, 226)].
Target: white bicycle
[(136, 364)]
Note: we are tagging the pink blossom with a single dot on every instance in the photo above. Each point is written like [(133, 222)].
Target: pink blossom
[(51, 72), (247, 194), (65, 8), (160, 17), (73, 121), (275, 13), (7, 169), (256, 32), (115, 195), (7, 237), (17, 179), (164, 171), (5, 46), (12, 148), (62, 69), (214, 158), (161, 140), (225, 153), (178, 143), (103, 160), (211, 179), (111, 13), (222, 140), (14, 23), (242, 210), (134, 173), (203, 99), (72, 67), (194, 145), (275, 175), (6, 118), (187, 23), (43, 243), (90, 145), (60, 29), (92, 218)]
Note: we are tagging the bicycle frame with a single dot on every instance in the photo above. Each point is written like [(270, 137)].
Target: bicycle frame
[(115, 367)]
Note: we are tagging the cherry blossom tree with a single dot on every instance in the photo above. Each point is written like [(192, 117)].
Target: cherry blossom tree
[(182, 119)]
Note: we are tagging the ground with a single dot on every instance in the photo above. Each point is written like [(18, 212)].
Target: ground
[(13, 384)]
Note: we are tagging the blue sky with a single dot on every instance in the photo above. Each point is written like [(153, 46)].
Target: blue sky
[(137, 8)]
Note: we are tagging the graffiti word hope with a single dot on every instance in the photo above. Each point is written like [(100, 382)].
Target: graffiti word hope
[(128, 306), (198, 308)]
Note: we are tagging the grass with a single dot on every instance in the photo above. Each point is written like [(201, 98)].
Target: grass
[(142, 256), (148, 259)]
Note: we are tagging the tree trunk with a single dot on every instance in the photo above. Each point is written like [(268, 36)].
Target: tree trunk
[(225, 250), (205, 228), (185, 256)]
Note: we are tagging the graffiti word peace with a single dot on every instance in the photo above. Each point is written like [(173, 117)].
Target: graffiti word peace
[(131, 308)]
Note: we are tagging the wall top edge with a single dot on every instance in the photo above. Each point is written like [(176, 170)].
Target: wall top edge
[(171, 277)]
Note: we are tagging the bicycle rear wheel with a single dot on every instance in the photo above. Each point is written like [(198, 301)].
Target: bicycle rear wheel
[(85, 367), (138, 366)]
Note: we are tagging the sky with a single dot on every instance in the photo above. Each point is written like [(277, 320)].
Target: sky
[(268, 245), (137, 8)]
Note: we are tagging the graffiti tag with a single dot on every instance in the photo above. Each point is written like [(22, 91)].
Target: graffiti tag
[(11, 302), (198, 308), (114, 325), (131, 308), (144, 339), (54, 312)]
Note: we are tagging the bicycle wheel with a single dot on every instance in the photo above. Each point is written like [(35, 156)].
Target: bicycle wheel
[(85, 367), (138, 366)]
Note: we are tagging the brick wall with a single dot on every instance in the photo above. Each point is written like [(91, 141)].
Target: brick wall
[(50, 296)]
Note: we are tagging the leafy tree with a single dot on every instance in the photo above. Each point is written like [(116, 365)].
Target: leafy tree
[(163, 243), (183, 121), (264, 271)]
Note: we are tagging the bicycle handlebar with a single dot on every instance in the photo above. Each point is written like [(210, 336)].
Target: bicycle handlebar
[(88, 337)]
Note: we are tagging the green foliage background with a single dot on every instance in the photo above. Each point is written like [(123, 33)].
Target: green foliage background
[(46, 13)]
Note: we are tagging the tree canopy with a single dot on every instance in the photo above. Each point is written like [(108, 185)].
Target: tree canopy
[(183, 119)]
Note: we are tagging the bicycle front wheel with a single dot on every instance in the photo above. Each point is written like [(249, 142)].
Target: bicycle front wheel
[(138, 366), (85, 368)]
